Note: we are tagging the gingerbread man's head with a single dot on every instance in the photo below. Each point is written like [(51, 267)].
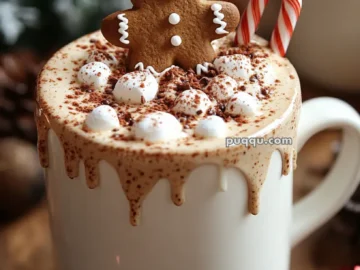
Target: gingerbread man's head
[(161, 33)]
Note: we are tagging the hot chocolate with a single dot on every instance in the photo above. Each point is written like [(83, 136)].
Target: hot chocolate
[(151, 125)]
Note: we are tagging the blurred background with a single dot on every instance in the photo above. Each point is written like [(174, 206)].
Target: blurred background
[(324, 49)]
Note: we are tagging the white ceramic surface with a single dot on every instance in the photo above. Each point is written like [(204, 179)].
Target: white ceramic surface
[(212, 230)]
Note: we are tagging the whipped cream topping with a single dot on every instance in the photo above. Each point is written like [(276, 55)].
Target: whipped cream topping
[(222, 87), (62, 99), (211, 127), (102, 118), (158, 127), (242, 104), (136, 87), (236, 87), (192, 102), (94, 74), (237, 66)]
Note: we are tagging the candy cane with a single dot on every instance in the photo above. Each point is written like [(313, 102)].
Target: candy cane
[(288, 17), (250, 21)]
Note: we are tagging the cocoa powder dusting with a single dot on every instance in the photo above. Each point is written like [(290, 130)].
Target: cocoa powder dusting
[(139, 170)]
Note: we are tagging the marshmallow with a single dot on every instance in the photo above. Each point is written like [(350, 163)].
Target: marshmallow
[(192, 102), (253, 89), (95, 74), (222, 87), (103, 57), (158, 127), (242, 104), (237, 66), (136, 87), (211, 127), (265, 73), (102, 118)]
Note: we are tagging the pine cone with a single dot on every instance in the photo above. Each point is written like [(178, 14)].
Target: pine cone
[(18, 73)]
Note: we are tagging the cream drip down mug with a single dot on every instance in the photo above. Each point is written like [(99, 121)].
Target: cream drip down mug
[(237, 210)]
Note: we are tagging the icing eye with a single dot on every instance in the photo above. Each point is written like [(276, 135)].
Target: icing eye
[(174, 18)]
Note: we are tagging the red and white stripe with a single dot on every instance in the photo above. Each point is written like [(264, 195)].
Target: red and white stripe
[(289, 15), (250, 21)]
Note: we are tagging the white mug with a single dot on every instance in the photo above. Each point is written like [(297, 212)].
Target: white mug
[(212, 230)]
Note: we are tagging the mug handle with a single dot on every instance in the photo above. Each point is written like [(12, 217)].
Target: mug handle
[(339, 185)]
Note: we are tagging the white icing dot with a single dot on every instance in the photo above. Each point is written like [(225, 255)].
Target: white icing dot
[(237, 66), (242, 104), (102, 118), (176, 41), (158, 127), (211, 127), (174, 18), (216, 7), (136, 87), (222, 87), (94, 74), (192, 102)]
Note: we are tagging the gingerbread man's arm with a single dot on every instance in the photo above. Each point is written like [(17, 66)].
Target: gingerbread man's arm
[(226, 17), (117, 28)]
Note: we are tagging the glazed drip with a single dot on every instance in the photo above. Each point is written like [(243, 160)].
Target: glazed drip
[(138, 183), (92, 172), (43, 127), (72, 159), (139, 173)]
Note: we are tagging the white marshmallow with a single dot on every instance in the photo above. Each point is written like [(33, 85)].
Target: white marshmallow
[(253, 89), (192, 102), (136, 88), (237, 66), (103, 57), (211, 127), (95, 74), (222, 87), (158, 127), (266, 73), (102, 118), (242, 104)]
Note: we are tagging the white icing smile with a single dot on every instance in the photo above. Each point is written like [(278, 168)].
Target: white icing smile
[(124, 26), (219, 19)]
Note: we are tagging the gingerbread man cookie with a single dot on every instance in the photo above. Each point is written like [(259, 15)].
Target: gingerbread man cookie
[(160, 33)]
